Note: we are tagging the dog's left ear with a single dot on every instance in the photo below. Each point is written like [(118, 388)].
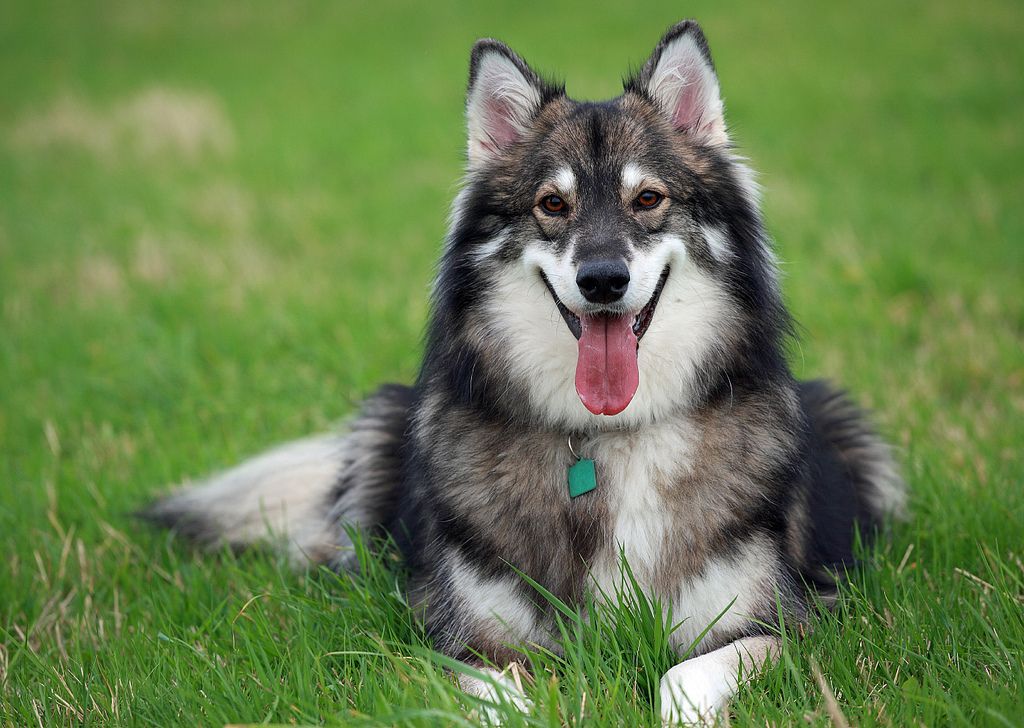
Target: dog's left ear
[(504, 96), (680, 78)]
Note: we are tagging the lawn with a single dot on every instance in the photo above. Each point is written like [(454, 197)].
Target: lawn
[(218, 223)]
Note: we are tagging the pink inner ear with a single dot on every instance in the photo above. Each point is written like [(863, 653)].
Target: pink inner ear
[(693, 100), (499, 125)]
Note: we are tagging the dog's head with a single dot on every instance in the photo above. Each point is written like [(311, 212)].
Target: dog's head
[(604, 259)]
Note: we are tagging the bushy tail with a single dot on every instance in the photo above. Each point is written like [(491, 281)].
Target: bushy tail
[(304, 494), (863, 454)]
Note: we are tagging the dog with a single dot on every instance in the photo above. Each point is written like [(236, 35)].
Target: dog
[(604, 378)]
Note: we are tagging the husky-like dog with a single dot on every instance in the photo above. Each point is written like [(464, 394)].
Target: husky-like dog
[(604, 375)]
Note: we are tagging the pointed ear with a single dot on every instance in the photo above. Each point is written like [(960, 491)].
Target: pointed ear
[(503, 98), (680, 78)]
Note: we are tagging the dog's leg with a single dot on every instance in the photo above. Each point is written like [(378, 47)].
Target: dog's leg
[(503, 687), (696, 691)]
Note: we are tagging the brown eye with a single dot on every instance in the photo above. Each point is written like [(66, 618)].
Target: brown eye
[(647, 200), (553, 205)]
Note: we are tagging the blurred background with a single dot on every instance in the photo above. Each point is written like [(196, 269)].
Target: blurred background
[(218, 224)]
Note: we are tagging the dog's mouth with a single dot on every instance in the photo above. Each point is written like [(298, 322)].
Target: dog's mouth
[(607, 373), (641, 321)]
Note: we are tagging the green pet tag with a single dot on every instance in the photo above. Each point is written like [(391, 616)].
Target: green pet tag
[(582, 478)]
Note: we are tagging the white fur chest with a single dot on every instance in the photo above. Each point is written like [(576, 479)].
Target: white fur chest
[(633, 470), (638, 471)]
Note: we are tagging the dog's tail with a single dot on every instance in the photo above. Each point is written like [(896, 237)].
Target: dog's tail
[(303, 495), (864, 458)]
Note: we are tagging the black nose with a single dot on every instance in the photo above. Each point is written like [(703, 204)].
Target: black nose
[(603, 281)]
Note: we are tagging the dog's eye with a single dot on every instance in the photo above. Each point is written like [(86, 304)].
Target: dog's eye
[(647, 200), (554, 205)]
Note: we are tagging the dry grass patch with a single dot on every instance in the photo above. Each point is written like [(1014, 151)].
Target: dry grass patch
[(155, 123)]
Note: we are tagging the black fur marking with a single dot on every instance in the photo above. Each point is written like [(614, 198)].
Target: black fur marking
[(839, 442), (383, 415)]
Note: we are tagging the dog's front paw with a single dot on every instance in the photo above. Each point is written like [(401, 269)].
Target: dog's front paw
[(505, 689), (692, 696)]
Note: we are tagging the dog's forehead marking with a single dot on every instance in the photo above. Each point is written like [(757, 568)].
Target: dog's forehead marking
[(588, 134), (600, 138), (632, 176), (565, 179)]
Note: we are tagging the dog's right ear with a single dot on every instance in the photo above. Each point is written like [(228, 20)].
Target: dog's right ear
[(503, 98)]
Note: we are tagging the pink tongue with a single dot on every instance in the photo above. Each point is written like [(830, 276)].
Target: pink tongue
[(606, 369)]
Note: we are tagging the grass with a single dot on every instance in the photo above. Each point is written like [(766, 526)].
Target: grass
[(217, 228)]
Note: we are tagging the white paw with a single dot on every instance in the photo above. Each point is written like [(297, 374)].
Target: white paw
[(692, 695), (504, 690)]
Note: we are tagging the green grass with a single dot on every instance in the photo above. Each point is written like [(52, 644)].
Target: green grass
[(217, 228)]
